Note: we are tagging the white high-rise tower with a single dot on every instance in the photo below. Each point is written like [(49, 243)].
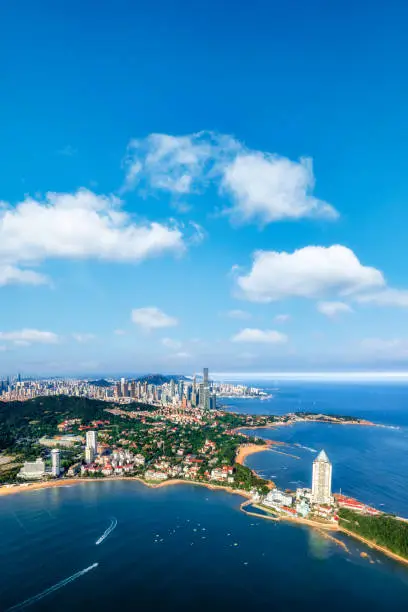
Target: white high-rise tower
[(55, 462), (322, 478), (92, 440)]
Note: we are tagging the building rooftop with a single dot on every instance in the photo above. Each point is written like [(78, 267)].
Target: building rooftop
[(322, 457)]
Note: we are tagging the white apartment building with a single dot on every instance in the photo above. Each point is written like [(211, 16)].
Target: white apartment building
[(92, 440), (55, 462), (322, 479)]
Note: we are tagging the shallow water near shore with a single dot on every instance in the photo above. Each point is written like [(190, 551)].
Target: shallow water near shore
[(186, 547)]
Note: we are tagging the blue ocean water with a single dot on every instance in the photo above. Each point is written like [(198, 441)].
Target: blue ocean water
[(187, 548), (176, 548), (370, 463)]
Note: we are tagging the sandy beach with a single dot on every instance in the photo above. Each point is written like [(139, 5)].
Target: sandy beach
[(68, 482), (245, 450)]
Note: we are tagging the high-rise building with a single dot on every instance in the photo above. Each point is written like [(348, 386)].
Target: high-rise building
[(205, 391), (321, 479), (89, 454), (180, 389), (92, 440), (55, 462)]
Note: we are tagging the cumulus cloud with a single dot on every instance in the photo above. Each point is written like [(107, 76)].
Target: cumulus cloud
[(239, 314), (310, 272), (77, 226), (331, 309), (168, 163), (262, 186), (13, 275), (263, 336), (25, 337), (267, 187), (152, 318)]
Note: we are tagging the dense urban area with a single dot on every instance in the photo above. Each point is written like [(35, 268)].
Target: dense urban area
[(159, 429)]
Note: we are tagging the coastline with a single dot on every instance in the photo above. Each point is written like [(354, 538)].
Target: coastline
[(247, 449), (4, 491), (375, 546), (68, 482)]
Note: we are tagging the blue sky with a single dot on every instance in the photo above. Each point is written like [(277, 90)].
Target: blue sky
[(203, 185)]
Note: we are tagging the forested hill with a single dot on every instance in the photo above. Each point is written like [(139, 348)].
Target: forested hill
[(41, 415), (159, 379)]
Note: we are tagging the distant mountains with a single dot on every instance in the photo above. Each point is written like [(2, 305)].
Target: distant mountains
[(100, 383), (159, 379), (151, 379)]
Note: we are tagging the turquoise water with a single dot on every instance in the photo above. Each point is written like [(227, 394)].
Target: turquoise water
[(188, 548)]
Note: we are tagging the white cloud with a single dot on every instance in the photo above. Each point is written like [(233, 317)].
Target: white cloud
[(83, 338), (172, 344), (281, 318), (168, 163), (152, 318), (76, 226), (119, 332), (267, 187), (331, 309), (263, 187), (239, 314), (3, 348), (24, 337), (13, 275), (264, 336), (386, 297), (310, 272)]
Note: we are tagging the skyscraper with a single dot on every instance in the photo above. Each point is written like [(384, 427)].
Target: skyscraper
[(321, 479), (205, 376), (55, 462), (89, 454), (92, 440)]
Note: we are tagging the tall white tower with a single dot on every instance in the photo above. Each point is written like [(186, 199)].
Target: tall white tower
[(321, 480), (55, 462), (92, 440)]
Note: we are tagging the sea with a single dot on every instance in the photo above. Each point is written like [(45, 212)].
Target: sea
[(120, 545)]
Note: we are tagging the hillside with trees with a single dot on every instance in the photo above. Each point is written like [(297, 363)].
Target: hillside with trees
[(384, 530)]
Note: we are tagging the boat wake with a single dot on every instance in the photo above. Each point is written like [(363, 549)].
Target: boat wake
[(109, 530), (308, 448), (59, 585)]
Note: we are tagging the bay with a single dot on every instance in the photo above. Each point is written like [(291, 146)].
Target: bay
[(187, 548)]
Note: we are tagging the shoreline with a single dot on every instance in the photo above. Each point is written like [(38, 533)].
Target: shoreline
[(68, 482), (374, 546), (247, 449), (4, 491)]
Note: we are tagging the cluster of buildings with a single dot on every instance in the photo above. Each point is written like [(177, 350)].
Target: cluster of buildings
[(36, 470), (318, 500), (184, 392), (117, 463)]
